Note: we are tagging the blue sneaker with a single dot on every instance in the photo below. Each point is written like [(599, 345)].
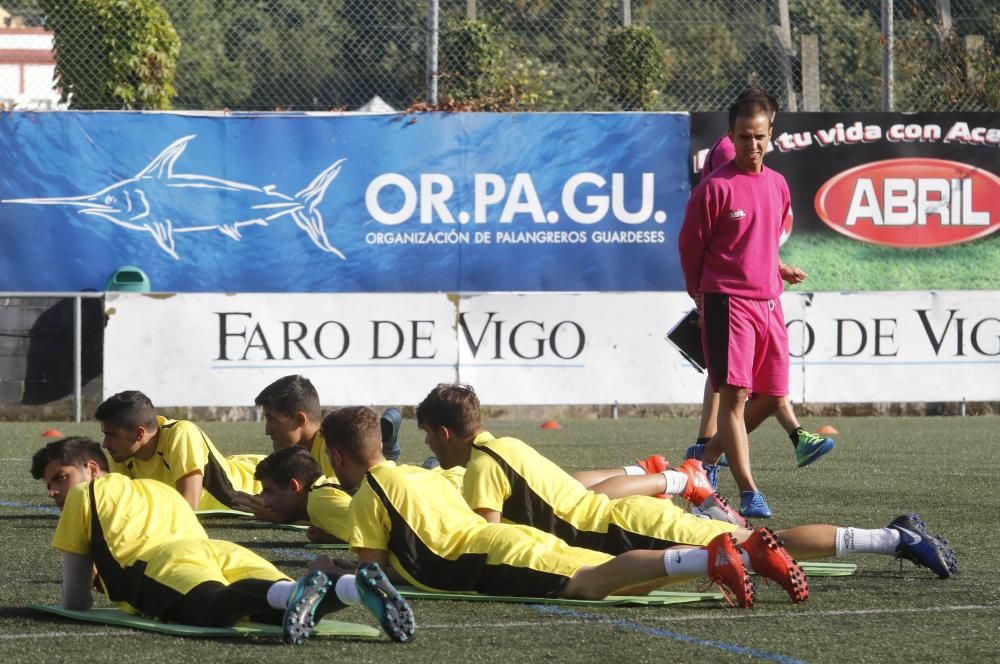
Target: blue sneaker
[(390, 422), (753, 505), (712, 473), (430, 463), (386, 604), (809, 447), (300, 614), (697, 450), (923, 548)]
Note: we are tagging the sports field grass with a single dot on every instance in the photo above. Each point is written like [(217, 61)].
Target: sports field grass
[(942, 468), (836, 263)]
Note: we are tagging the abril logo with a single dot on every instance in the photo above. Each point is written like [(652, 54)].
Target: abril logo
[(912, 202)]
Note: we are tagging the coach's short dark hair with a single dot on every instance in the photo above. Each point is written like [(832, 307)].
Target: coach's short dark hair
[(749, 107), (289, 395), (127, 409), (284, 465), (354, 431), (753, 92), (69, 451), (452, 405)]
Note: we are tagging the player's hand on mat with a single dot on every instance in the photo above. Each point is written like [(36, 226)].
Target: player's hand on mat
[(325, 564), (254, 504), (792, 274), (320, 536)]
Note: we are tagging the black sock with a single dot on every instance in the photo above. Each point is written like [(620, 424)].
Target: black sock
[(702, 441), (330, 601), (794, 437)]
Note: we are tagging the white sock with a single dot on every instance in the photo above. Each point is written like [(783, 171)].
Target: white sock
[(278, 594), (634, 470), (347, 590), (676, 482), (864, 540), (685, 562)]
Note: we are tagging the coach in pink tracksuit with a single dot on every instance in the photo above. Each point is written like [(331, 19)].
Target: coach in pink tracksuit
[(729, 253)]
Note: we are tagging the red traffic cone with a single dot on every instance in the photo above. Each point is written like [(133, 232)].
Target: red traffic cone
[(550, 424)]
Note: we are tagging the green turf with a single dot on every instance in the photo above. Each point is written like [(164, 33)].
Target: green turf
[(943, 468), (837, 263)]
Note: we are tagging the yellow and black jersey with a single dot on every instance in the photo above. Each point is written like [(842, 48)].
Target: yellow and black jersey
[(508, 476), (329, 508), (183, 448), (147, 543), (437, 542), (317, 450)]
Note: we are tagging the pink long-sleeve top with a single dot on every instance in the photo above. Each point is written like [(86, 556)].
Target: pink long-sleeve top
[(730, 236)]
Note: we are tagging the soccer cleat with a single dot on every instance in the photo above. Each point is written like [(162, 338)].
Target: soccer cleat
[(299, 619), (726, 568), (655, 463), (809, 447), (924, 548), (697, 451), (698, 488), (385, 603), (770, 559), (718, 508), (753, 505), (390, 422)]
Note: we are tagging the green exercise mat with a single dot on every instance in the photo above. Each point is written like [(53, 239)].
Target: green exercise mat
[(257, 523), (116, 617), (655, 598), (342, 546), (828, 569), (222, 513)]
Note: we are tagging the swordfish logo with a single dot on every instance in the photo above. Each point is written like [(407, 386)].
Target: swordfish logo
[(152, 201)]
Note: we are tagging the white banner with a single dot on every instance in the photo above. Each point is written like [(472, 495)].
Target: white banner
[(535, 348)]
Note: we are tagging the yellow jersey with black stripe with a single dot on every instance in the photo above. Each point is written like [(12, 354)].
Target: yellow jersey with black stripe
[(183, 448), (508, 476), (437, 543), (329, 508), (317, 450), (147, 544)]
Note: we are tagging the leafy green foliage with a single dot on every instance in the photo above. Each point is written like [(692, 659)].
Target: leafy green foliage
[(470, 59), (633, 68), (112, 54)]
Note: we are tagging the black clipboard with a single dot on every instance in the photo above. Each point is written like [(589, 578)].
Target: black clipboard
[(686, 338)]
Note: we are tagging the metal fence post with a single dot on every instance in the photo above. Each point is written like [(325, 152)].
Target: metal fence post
[(77, 357), (432, 52), (470, 10), (626, 13), (810, 73), (888, 103)]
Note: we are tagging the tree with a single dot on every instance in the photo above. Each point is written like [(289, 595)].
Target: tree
[(633, 68), (113, 55)]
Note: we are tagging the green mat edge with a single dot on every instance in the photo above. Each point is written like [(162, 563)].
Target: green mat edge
[(104, 616), (655, 598), (343, 546), (222, 512)]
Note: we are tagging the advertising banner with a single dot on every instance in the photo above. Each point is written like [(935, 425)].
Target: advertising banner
[(872, 192), (536, 348), (343, 203)]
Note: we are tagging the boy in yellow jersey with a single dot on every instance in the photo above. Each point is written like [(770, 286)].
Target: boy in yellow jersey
[(507, 479), (145, 549), (416, 519), (144, 445)]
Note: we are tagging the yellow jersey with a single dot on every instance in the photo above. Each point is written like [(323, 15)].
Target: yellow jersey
[(329, 508)]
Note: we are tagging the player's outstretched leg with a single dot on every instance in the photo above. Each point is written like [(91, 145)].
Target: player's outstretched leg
[(386, 604), (770, 559), (300, 613), (725, 567), (924, 548), (390, 422)]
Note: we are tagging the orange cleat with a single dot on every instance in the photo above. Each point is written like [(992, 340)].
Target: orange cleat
[(655, 463), (726, 568), (770, 559), (698, 487)]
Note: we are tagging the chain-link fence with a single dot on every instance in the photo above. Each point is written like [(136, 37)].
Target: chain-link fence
[(543, 55)]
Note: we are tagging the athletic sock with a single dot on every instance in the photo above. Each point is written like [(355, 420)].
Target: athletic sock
[(794, 437), (346, 590), (676, 482), (865, 540), (685, 562), (278, 594), (634, 470), (703, 440)]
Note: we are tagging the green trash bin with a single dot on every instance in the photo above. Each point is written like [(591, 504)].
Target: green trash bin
[(128, 278)]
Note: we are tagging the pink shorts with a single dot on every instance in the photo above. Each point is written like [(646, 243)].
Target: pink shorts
[(746, 343)]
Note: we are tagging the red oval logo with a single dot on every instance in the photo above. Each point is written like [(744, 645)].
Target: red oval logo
[(911, 202)]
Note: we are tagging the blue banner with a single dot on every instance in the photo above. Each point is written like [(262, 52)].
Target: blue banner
[(328, 203)]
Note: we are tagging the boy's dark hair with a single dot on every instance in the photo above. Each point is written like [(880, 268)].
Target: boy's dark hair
[(759, 93), (355, 432), (289, 395), (284, 465), (452, 405), (69, 451), (747, 108), (129, 409)]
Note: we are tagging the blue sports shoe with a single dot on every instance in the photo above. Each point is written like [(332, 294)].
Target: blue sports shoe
[(386, 604), (300, 614), (753, 505), (697, 450), (809, 447), (430, 463), (390, 422), (923, 548), (712, 473)]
